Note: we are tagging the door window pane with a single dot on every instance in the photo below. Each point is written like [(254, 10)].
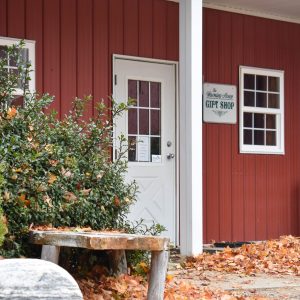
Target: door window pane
[(132, 121), (132, 148), (143, 94), (155, 146), (155, 94), (132, 91), (155, 122), (143, 121)]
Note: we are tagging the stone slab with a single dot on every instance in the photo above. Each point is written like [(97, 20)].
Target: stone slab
[(32, 279)]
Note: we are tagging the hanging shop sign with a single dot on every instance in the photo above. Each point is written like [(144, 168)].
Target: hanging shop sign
[(219, 103)]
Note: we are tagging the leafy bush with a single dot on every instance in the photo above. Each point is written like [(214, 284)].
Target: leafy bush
[(57, 172), (3, 227)]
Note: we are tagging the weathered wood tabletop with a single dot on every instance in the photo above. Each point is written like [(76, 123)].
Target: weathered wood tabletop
[(115, 241)]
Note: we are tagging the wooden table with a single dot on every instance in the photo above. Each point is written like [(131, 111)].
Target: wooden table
[(117, 242)]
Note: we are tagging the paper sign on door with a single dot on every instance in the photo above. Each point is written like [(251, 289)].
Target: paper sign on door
[(143, 148)]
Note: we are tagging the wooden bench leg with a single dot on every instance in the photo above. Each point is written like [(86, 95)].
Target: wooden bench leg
[(50, 253), (117, 262), (159, 264)]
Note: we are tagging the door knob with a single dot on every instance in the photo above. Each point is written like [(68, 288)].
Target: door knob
[(170, 155)]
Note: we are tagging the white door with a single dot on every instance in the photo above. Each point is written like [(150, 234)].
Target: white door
[(149, 126)]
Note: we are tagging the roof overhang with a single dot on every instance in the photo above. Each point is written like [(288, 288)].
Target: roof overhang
[(283, 10), (287, 10)]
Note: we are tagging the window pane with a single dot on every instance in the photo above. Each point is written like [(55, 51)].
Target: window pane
[(14, 74), (248, 120), (3, 53), (17, 101), (144, 121), (248, 136), (259, 121), (132, 90), (261, 83), (155, 146), (24, 56), (259, 137), (144, 94), (273, 101), (132, 148), (271, 138), (155, 122), (132, 121), (13, 59), (21, 54), (249, 81), (249, 98), (271, 121), (273, 84), (155, 94), (261, 100)]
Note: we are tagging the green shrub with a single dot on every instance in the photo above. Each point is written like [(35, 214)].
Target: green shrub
[(58, 172), (3, 227)]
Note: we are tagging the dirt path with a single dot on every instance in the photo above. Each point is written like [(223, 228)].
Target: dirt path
[(259, 285)]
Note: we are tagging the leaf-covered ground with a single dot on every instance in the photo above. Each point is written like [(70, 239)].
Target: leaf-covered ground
[(271, 257), (275, 257)]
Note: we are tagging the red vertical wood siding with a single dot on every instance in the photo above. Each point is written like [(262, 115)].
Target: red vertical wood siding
[(247, 196), (3, 17), (237, 161), (68, 52), (34, 31), (75, 40)]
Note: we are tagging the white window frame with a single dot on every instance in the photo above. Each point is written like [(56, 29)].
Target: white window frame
[(279, 112), (30, 45)]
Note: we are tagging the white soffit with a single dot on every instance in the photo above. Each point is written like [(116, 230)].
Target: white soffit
[(284, 10)]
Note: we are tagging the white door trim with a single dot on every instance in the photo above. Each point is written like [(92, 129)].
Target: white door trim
[(191, 218), (177, 165)]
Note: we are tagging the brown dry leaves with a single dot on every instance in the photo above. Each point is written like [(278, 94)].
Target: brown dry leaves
[(109, 288), (71, 229), (272, 257), (135, 287)]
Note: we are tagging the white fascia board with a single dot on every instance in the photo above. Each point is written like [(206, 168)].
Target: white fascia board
[(190, 86), (250, 12)]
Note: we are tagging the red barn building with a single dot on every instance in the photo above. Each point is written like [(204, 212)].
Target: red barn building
[(226, 168)]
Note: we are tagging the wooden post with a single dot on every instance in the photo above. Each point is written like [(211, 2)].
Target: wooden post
[(117, 262), (50, 253), (159, 264)]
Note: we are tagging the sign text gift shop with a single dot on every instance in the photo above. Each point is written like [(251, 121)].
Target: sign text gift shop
[(219, 103)]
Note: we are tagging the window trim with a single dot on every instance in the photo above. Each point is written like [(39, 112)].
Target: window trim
[(30, 45), (262, 149)]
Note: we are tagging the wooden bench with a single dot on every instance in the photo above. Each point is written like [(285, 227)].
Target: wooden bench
[(36, 279), (117, 243)]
